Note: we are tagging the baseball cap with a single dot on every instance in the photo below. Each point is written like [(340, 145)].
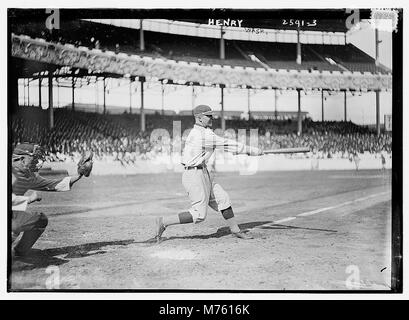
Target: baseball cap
[(25, 148), (202, 109)]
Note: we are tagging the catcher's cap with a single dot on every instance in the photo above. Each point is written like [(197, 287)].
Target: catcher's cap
[(30, 149), (202, 109)]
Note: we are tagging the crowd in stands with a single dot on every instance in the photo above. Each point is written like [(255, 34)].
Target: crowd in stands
[(118, 138)]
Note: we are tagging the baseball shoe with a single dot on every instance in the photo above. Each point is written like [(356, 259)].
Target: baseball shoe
[(242, 235), (160, 228)]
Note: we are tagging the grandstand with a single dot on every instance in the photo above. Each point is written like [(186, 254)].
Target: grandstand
[(274, 55), (282, 59)]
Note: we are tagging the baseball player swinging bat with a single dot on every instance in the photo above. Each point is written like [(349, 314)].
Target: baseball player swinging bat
[(201, 188), (287, 150)]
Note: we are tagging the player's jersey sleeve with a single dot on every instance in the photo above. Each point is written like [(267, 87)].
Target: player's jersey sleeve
[(213, 141), (42, 184)]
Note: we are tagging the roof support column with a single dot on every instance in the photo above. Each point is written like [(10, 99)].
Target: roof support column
[(223, 121), (50, 100), (275, 104), (105, 89), (28, 91), (163, 98), (141, 37), (378, 115), (130, 95), (193, 96), (142, 80), (73, 93), (298, 47), (322, 105), (299, 120), (39, 92), (377, 42), (345, 106), (24, 91), (248, 102)]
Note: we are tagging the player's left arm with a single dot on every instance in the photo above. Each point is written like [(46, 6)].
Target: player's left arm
[(212, 140), (74, 179), (42, 184), (84, 168)]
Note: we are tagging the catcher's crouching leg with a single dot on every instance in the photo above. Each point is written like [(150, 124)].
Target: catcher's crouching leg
[(32, 226)]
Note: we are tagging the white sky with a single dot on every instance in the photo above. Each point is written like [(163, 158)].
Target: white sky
[(360, 109)]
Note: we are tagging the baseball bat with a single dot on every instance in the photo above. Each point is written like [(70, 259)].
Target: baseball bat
[(287, 150)]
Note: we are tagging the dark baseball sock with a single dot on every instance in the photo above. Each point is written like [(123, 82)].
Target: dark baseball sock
[(181, 218), (185, 217), (228, 215)]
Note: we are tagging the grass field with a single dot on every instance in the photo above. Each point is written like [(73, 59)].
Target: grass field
[(316, 230)]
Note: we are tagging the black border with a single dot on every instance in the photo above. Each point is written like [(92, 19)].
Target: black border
[(397, 121), (259, 309), (397, 159)]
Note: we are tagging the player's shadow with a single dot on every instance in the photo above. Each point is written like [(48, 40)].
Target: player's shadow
[(36, 258), (57, 256), (282, 226), (221, 232), (265, 225), (225, 231)]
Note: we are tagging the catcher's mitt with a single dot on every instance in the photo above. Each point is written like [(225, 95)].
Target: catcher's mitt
[(84, 167)]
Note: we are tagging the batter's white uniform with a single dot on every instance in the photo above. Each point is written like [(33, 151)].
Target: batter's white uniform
[(200, 187)]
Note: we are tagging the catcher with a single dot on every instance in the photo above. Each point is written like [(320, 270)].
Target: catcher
[(27, 159)]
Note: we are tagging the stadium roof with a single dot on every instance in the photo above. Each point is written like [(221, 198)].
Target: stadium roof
[(327, 20), (277, 55)]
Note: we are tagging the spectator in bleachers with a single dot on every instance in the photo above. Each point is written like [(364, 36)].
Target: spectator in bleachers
[(117, 137)]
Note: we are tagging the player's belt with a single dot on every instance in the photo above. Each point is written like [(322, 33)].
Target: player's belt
[(199, 167)]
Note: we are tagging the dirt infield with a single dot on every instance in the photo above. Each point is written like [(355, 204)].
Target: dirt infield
[(312, 231)]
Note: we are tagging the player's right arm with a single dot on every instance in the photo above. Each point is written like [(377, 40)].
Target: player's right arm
[(19, 203), (212, 140)]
